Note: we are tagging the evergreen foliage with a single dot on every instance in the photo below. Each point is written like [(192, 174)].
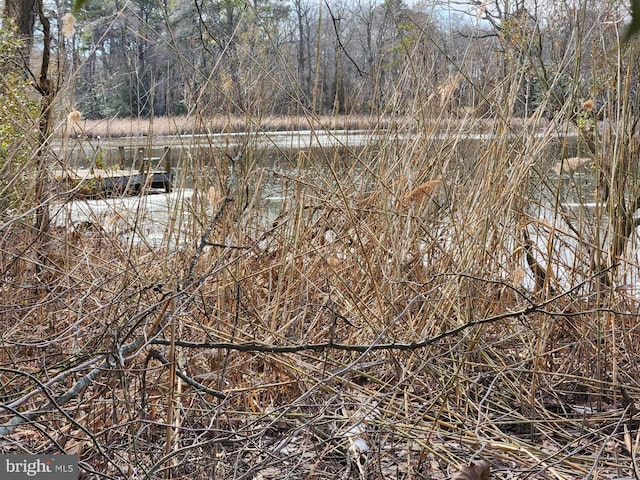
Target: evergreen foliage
[(17, 113)]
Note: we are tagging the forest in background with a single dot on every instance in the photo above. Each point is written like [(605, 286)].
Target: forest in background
[(271, 57), (397, 309)]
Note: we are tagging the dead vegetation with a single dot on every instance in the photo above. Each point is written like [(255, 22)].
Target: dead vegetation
[(434, 304), (381, 322), (125, 127), (163, 126)]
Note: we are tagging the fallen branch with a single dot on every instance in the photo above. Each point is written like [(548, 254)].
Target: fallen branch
[(393, 346), (319, 347), (108, 363)]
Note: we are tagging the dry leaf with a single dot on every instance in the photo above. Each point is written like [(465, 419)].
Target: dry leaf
[(476, 471), (25, 434), (588, 105), (215, 196), (334, 261), (74, 447), (268, 473)]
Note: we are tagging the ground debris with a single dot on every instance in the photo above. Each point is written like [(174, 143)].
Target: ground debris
[(479, 470)]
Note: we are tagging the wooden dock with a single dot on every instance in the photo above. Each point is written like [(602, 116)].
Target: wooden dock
[(117, 180), (96, 183)]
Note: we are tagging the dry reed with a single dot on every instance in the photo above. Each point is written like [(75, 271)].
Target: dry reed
[(316, 316), (339, 265)]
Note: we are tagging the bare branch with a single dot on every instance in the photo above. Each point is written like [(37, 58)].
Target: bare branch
[(198, 386)]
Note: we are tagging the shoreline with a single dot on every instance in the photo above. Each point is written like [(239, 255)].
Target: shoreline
[(183, 126)]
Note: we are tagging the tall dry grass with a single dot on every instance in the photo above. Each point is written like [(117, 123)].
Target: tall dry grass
[(187, 125), (158, 126), (387, 311)]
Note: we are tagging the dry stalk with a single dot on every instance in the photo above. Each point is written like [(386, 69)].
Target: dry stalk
[(422, 282)]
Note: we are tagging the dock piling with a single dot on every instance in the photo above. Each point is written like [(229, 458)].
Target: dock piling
[(167, 168), (121, 158), (142, 167), (167, 159)]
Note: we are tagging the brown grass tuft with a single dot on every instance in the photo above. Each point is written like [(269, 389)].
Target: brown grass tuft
[(570, 165), (421, 193), (73, 117)]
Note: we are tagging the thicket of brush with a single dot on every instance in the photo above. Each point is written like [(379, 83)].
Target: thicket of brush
[(403, 308)]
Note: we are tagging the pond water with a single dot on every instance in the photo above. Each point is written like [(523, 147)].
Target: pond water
[(563, 202), (272, 163)]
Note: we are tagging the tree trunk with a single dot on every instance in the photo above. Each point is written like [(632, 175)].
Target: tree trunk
[(22, 13)]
